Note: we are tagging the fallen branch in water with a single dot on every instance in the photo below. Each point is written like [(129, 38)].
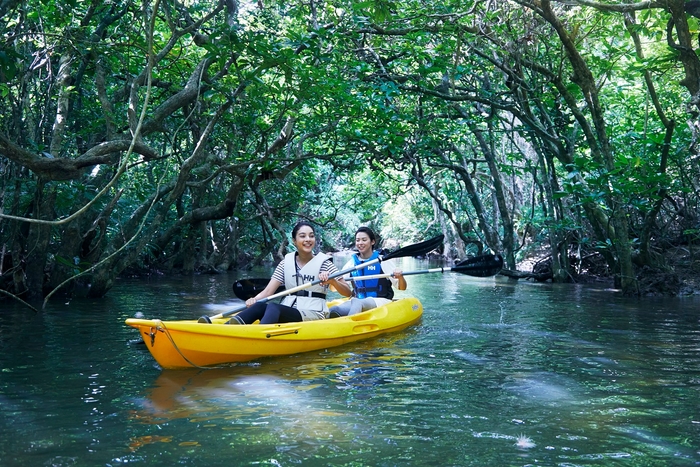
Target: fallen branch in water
[(19, 300)]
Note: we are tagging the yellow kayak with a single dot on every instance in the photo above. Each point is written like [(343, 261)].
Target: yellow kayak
[(187, 344)]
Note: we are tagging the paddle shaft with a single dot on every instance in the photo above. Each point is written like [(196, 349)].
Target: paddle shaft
[(298, 288), (405, 273), (480, 266)]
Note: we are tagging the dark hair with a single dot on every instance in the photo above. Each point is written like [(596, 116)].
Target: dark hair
[(299, 226), (369, 233)]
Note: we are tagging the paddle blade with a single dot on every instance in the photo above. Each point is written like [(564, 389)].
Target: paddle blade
[(249, 288), (480, 266), (417, 249)]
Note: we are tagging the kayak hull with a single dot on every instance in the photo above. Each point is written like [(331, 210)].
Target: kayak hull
[(187, 344)]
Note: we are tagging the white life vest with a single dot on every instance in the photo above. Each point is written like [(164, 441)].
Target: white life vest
[(311, 301)]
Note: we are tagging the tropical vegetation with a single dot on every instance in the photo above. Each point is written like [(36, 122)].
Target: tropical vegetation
[(189, 136)]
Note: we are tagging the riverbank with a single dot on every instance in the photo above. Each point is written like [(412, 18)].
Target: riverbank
[(679, 276)]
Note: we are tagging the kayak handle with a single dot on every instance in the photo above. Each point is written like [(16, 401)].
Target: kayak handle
[(282, 332)]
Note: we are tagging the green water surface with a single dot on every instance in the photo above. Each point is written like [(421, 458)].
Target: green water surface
[(497, 373)]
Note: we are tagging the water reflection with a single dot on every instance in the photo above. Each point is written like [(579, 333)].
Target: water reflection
[(273, 400), (544, 388), (184, 393)]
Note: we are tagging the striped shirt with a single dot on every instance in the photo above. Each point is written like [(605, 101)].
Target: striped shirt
[(327, 266)]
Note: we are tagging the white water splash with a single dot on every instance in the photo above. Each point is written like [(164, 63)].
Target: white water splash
[(523, 442)]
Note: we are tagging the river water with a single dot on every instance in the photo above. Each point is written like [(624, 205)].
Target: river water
[(497, 373)]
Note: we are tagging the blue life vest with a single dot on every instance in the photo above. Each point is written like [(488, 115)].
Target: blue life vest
[(373, 287)]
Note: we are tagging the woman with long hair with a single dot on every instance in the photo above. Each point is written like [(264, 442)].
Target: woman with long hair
[(369, 293), (297, 268)]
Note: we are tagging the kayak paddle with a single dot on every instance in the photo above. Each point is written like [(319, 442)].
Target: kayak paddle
[(479, 266), (410, 250)]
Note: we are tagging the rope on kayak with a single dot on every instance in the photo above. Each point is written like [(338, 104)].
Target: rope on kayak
[(172, 341)]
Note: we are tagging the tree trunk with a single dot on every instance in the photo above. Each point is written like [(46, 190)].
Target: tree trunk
[(557, 244), (499, 193), (37, 246), (618, 233)]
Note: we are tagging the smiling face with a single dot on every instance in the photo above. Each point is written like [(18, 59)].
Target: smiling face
[(305, 240), (364, 244)]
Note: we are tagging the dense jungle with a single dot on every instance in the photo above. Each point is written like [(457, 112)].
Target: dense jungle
[(182, 137)]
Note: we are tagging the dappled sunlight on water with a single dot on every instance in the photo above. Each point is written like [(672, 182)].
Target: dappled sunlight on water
[(496, 373)]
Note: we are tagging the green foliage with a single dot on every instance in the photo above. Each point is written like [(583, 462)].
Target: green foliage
[(380, 93)]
